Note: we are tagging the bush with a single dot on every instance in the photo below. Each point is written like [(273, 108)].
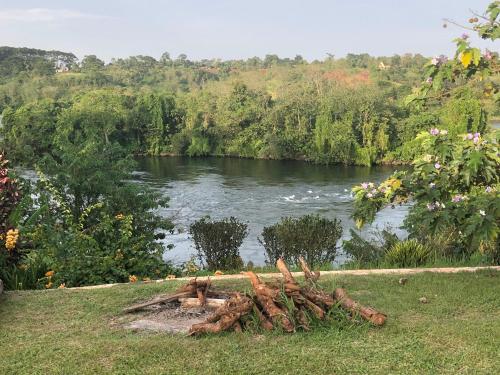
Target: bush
[(409, 253), (366, 251), (218, 242), (310, 236), (98, 246)]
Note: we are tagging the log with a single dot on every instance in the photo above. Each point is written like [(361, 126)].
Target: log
[(264, 322), (193, 288), (210, 303), (366, 313), (200, 294), (301, 317), (319, 297), (235, 308), (266, 296), (237, 327), (318, 311), (307, 272), (165, 299), (287, 275)]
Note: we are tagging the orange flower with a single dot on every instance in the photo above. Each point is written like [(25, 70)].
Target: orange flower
[(62, 286), (49, 274), (48, 285), (132, 278), (119, 216), (218, 273)]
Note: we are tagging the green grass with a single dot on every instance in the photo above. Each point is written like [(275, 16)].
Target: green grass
[(72, 332)]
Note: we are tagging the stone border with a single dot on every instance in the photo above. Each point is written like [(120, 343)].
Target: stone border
[(387, 271)]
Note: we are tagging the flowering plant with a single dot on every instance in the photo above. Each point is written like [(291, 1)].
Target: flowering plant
[(453, 187)]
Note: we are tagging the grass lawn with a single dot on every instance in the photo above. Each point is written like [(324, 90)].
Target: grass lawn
[(71, 332)]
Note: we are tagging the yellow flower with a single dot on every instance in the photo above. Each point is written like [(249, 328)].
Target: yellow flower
[(170, 277), (11, 238), (132, 278), (218, 273), (48, 285), (119, 216), (49, 274), (62, 286)]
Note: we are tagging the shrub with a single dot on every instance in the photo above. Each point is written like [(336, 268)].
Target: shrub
[(99, 246), (218, 242), (408, 253), (310, 236), (367, 251)]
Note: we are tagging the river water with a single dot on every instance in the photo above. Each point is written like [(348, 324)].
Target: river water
[(258, 192)]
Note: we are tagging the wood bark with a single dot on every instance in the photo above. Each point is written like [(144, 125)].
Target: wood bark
[(307, 272), (234, 309), (165, 299), (266, 297), (367, 313), (315, 300), (210, 303)]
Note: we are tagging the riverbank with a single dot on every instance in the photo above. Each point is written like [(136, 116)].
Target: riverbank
[(69, 332)]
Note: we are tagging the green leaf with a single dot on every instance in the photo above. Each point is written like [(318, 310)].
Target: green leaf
[(476, 56)]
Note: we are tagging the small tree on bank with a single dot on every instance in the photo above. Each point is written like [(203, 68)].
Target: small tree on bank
[(310, 236), (218, 242)]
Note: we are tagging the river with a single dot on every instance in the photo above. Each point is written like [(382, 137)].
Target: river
[(258, 192)]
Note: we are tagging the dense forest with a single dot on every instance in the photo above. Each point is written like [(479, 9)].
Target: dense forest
[(348, 110)]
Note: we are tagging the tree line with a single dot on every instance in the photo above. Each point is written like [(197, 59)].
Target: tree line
[(349, 110)]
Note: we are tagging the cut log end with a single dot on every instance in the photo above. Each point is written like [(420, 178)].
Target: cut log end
[(354, 307)]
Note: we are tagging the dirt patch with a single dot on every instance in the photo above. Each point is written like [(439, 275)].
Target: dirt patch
[(170, 318)]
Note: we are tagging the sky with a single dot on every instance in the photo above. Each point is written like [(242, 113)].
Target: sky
[(233, 29)]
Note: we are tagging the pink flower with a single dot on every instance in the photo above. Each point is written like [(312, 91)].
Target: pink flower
[(443, 59), (428, 80), (369, 195), (434, 131), (431, 206), (437, 60), (469, 136), (437, 166), (465, 36), (487, 55), (475, 140), (457, 198), (364, 185)]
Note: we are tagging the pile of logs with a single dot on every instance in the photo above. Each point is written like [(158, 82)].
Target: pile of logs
[(271, 303)]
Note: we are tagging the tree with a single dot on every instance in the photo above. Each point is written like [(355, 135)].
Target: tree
[(91, 63), (29, 130), (455, 179)]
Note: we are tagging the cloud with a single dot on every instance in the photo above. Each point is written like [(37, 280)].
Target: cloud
[(45, 15)]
